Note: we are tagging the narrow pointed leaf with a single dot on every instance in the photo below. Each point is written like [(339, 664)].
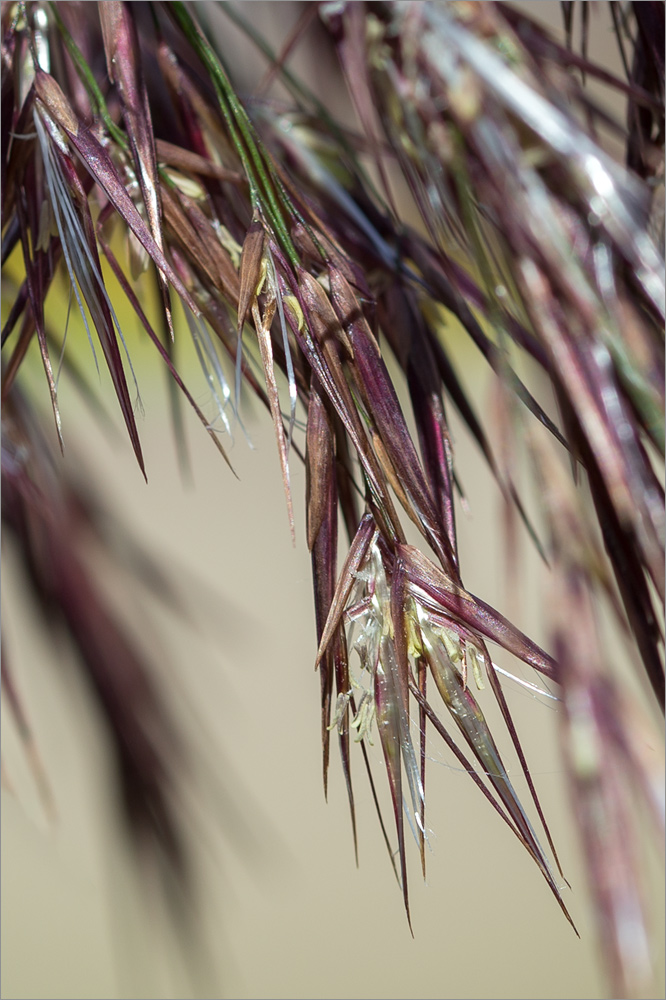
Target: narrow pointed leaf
[(389, 734), (471, 722), (250, 269), (123, 60), (262, 325), (358, 551), (431, 586), (382, 401), (322, 527), (134, 302)]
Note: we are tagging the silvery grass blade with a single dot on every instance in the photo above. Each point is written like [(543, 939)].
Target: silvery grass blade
[(69, 204), (123, 60), (193, 268), (376, 389), (422, 684), (78, 376), (470, 720), (434, 590), (388, 723), (164, 353), (397, 664), (35, 268), (101, 168)]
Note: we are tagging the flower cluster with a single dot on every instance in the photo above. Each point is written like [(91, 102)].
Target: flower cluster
[(293, 267)]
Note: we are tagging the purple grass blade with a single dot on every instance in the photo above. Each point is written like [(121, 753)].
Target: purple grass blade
[(322, 353), (322, 524), (123, 60), (433, 589), (349, 496), (250, 269), (16, 311), (351, 48), (403, 327), (384, 409), (320, 467)]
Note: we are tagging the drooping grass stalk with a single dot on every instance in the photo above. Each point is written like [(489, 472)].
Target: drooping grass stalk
[(532, 237)]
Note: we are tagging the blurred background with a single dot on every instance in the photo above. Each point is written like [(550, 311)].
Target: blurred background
[(282, 909)]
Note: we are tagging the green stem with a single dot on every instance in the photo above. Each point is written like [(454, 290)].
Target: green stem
[(255, 162)]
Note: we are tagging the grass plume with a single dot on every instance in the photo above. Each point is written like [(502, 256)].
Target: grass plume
[(261, 218)]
